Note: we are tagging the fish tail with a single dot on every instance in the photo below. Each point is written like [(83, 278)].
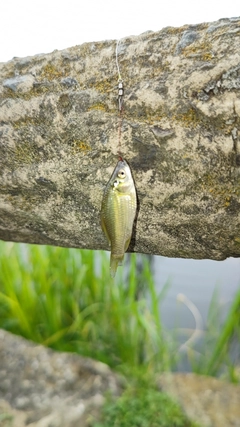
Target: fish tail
[(115, 260)]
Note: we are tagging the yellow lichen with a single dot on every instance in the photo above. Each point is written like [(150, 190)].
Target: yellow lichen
[(223, 192), (189, 118), (176, 30), (102, 86), (78, 145), (201, 49), (207, 56), (99, 107), (51, 72)]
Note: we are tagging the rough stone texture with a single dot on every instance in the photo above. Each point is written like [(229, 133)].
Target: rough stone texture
[(207, 400), (180, 134), (43, 388)]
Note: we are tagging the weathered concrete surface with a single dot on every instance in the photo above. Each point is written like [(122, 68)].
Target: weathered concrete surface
[(59, 133), (40, 387), (209, 401)]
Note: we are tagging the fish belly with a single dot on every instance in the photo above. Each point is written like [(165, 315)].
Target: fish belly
[(117, 218)]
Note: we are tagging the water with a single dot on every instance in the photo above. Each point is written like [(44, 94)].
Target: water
[(197, 280)]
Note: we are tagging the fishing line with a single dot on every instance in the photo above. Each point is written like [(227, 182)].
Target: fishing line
[(119, 203), (120, 102), (118, 69)]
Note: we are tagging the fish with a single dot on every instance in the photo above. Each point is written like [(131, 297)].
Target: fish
[(118, 211)]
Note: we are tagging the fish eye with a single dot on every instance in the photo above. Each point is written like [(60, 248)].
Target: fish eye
[(121, 174)]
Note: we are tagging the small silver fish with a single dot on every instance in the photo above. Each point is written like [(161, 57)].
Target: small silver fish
[(118, 212)]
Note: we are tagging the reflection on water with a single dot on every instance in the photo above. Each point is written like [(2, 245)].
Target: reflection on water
[(197, 280)]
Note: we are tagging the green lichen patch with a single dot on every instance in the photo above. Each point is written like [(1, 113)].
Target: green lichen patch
[(8, 93), (26, 152), (144, 113), (37, 90), (27, 121), (190, 117)]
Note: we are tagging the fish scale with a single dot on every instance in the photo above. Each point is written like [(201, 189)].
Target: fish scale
[(118, 212)]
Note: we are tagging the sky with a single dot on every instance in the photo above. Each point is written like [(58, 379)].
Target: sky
[(29, 27)]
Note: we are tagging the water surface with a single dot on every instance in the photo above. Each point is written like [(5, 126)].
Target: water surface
[(197, 279)]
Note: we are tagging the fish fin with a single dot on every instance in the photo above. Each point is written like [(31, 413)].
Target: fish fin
[(105, 230), (127, 244), (115, 261), (120, 262)]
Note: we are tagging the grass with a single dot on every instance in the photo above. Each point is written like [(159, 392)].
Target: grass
[(220, 349), (6, 419), (57, 297), (143, 406)]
